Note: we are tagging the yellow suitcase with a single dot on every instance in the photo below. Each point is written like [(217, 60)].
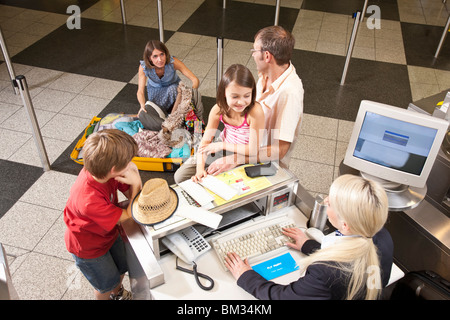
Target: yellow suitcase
[(145, 164)]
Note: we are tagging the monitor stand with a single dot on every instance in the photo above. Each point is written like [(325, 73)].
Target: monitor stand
[(400, 196)]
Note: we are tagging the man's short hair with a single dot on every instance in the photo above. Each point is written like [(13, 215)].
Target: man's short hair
[(106, 149), (278, 41)]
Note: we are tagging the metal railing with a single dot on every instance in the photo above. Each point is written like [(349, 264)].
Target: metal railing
[(351, 45), (219, 71), (20, 85), (444, 35), (160, 18), (9, 65)]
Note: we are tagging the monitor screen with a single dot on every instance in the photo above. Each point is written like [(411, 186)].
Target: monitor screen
[(394, 144)]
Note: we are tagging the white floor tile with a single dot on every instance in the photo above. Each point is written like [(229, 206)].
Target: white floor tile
[(50, 190), (25, 224)]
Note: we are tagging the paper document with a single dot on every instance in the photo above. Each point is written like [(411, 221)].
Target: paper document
[(238, 179)]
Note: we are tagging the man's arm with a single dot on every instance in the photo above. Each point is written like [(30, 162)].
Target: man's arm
[(274, 152)]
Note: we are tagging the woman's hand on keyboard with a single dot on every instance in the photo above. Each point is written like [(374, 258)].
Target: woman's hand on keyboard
[(297, 235), (236, 265)]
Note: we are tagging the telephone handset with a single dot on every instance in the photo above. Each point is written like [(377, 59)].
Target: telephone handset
[(188, 244)]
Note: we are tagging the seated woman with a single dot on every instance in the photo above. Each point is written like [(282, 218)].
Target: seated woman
[(157, 73), (352, 263)]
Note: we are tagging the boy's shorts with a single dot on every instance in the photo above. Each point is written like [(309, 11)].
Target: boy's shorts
[(104, 272)]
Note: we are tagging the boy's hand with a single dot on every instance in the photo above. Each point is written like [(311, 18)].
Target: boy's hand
[(130, 175)]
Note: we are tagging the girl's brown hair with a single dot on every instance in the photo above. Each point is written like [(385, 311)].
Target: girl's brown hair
[(243, 77), (149, 47)]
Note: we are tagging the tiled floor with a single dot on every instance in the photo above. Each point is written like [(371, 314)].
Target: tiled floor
[(75, 74)]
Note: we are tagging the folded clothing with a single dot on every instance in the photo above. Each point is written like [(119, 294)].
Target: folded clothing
[(150, 146), (183, 152), (131, 127)]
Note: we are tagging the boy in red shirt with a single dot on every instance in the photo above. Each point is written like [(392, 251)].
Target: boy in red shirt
[(93, 213)]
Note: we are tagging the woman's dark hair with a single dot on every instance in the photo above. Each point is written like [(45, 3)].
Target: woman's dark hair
[(149, 47)]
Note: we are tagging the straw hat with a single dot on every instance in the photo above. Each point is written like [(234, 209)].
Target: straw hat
[(155, 203)]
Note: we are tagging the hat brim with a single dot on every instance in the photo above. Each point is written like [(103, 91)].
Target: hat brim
[(154, 218)]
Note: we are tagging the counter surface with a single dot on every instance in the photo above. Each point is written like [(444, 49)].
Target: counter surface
[(182, 286)]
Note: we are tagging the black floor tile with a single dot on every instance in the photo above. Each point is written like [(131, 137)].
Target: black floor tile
[(421, 42), (99, 49), (341, 6), (15, 179), (388, 8), (59, 6), (239, 21), (124, 102), (366, 80)]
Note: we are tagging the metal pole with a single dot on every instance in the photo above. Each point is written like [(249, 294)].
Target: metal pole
[(364, 10), (444, 35), (160, 21), (9, 65), (277, 12), (219, 60), (25, 94), (124, 16), (224, 4), (350, 46)]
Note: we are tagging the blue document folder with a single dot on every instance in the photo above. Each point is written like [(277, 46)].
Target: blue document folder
[(276, 267)]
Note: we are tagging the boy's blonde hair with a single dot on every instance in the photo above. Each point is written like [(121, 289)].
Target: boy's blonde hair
[(107, 149), (363, 205)]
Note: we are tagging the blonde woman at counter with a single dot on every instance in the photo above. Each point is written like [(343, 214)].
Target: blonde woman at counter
[(352, 263)]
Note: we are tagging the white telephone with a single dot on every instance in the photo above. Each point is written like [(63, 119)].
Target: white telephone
[(188, 244)]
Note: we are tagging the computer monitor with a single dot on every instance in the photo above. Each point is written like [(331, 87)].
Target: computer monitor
[(396, 147)]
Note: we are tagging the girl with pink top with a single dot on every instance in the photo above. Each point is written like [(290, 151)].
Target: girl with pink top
[(241, 115)]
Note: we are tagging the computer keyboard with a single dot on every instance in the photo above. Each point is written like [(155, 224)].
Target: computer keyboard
[(197, 192), (219, 187), (256, 240)]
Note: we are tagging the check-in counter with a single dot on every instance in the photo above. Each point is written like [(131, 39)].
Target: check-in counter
[(152, 268), (144, 242)]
